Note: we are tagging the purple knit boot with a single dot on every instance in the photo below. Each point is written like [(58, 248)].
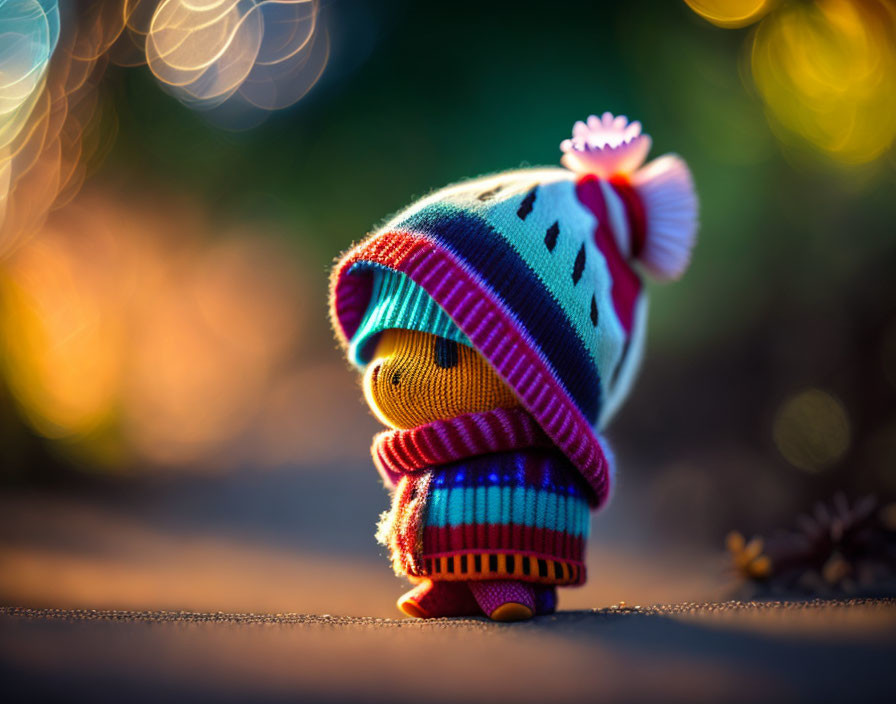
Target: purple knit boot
[(504, 600)]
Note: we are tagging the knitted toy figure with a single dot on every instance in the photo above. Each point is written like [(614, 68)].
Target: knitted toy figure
[(500, 323)]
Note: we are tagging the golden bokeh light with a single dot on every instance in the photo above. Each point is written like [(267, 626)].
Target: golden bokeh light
[(141, 325), (62, 351), (812, 430), (731, 13), (827, 72)]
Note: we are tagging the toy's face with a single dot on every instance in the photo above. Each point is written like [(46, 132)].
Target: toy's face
[(415, 378)]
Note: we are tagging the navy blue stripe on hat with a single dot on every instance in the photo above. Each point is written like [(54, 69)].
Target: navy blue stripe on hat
[(505, 272)]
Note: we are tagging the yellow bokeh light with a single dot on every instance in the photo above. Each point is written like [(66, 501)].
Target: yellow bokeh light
[(62, 347), (731, 13), (827, 72), (144, 330), (811, 430)]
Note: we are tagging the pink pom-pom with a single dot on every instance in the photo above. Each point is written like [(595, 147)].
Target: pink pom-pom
[(605, 146), (667, 194), (659, 201)]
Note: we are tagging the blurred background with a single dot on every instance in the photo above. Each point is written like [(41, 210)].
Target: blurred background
[(177, 427)]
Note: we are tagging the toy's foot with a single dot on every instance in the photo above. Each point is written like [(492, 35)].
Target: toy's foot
[(511, 611), (438, 599), (545, 600), (504, 600), (409, 606)]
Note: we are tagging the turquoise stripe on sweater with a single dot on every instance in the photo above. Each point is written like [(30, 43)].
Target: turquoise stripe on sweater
[(525, 506)]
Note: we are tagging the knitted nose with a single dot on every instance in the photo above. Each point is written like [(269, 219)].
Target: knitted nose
[(415, 378)]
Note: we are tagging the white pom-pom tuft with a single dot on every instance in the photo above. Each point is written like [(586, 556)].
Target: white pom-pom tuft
[(667, 193)]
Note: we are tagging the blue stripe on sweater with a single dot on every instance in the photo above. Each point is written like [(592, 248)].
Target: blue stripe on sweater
[(476, 242)]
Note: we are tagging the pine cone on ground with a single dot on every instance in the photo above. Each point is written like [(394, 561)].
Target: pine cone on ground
[(839, 549)]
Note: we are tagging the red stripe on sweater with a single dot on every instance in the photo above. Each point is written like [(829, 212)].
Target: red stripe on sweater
[(551, 544)]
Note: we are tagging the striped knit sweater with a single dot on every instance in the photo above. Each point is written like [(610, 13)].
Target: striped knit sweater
[(518, 515), (507, 507)]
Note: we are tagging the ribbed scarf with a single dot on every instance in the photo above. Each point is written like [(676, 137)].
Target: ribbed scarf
[(399, 452)]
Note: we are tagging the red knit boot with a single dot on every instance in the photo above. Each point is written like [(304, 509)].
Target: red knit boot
[(431, 599)]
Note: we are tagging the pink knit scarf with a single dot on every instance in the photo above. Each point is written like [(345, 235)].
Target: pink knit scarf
[(398, 452)]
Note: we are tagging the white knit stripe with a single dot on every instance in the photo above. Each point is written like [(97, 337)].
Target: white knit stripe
[(615, 394)]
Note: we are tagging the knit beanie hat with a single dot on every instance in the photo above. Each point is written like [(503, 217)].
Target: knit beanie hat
[(539, 271)]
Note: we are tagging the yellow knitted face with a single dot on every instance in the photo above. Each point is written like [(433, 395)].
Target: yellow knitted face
[(415, 378)]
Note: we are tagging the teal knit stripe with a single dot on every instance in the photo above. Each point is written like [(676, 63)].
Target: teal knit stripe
[(520, 505), (397, 302)]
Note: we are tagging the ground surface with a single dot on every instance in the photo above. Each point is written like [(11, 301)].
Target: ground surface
[(728, 652), (300, 541)]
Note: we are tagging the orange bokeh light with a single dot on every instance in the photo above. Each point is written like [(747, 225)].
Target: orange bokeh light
[(144, 331)]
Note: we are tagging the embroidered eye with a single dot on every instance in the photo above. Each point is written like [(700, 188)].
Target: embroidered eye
[(446, 353)]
